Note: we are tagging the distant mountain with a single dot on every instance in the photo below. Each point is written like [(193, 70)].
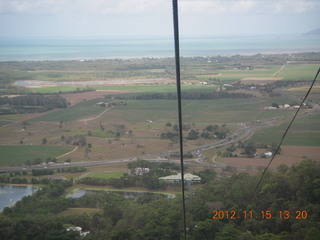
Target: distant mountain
[(314, 32)]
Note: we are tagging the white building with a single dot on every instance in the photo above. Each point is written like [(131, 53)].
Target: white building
[(140, 171), (268, 154), (188, 177)]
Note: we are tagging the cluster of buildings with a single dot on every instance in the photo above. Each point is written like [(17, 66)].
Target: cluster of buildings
[(188, 177), (285, 106), (140, 171), (78, 229)]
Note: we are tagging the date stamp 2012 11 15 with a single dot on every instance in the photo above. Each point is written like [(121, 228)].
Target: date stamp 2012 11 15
[(283, 214)]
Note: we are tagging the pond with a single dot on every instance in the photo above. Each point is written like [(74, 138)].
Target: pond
[(10, 194)]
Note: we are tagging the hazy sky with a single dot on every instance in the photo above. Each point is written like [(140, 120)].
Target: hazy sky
[(94, 18)]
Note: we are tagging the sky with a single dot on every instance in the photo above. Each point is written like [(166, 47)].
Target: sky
[(140, 18)]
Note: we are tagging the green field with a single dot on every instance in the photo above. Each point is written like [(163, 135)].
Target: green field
[(299, 72), (82, 110), (227, 110), (217, 110), (304, 131), (133, 88), (105, 175), (15, 155), (3, 122)]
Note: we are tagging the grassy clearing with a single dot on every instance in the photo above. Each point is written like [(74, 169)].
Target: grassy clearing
[(304, 132), (105, 175), (131, 189), (14, 155)]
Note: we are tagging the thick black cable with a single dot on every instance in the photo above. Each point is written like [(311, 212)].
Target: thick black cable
[(177, 58), (284, 135)]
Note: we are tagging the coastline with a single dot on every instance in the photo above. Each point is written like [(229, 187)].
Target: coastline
[(81, 49)]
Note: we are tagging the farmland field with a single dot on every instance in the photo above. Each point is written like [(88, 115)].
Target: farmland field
[(299, 71), (14, 155), (289, 156), (85, 109), (133, 128), (304, 131), (121, 88), (2, 122)]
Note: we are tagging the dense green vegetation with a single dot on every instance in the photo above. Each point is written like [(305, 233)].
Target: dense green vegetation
[(31, 103), (285, 206)]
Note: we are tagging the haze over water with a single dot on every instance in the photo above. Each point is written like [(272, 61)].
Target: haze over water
[(39, 49)]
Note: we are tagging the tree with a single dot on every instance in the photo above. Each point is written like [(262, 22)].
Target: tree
[(207, 175), (250, 149), (44, 141), (193, 135), (79, 140), (274, 148)]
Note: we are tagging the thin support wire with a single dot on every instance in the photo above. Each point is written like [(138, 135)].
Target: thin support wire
[(177, 58)]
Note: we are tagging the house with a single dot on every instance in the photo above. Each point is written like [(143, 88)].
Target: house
[(140, 171), (75, 229), (268, 154), (78, 229), (188, 177), (100, 104)]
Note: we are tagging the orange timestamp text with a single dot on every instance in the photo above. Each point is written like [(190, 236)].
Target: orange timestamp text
[(283, 214)]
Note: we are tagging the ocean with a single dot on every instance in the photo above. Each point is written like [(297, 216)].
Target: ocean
[(41, 49)]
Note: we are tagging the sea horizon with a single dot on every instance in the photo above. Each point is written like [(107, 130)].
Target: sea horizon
[(85, 48)]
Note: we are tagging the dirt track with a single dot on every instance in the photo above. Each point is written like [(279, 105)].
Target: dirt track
[(290, 155), (74, 98)]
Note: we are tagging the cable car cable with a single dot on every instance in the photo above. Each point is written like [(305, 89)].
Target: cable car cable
[(177, 63)]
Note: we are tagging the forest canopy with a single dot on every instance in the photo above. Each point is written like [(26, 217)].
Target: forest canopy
[(282, 195)]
